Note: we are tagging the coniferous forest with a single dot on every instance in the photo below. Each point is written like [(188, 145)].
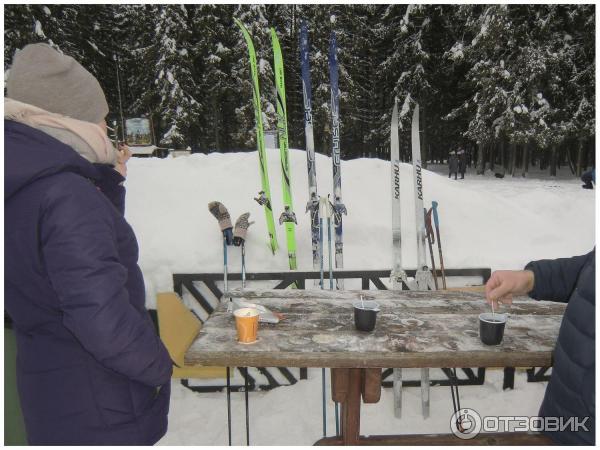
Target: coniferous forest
[(512, 84)]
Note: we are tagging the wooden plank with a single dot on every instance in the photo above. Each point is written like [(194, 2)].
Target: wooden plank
[(348, 360), (285, 283), (414, 329), (532, 306), (378, 284), (199, 297), (506, 438), (350, 409), (340, 380), (371, 385), (467, 289)]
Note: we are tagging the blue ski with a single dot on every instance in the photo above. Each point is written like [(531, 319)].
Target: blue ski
[(313, 198), (338, 206)]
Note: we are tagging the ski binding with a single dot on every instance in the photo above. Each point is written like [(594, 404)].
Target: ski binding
[(287, 216), (262, 199)]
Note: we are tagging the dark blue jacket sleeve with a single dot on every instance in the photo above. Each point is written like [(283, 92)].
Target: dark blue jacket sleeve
[(80, 253), (555, 279), (110, 184)]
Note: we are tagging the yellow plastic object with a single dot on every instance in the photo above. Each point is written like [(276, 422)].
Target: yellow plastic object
[(178, 328)]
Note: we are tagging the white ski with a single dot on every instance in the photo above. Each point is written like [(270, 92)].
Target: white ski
[(398, 275), (423, 277)]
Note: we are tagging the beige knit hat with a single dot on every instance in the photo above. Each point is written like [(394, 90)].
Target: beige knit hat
[(43, 77)]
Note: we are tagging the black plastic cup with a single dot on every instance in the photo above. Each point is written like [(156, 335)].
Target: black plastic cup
[(365, 315), (491, 328)]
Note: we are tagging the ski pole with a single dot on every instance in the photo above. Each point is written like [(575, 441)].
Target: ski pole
[(329, 253), (336, 407), (218, 210), (434, 206), (324, 389), (247, 406), (321, 251), (229, 404), (336, 410), (322, 213), (429, 232), (243, 265), (239, 240), (225, 285)]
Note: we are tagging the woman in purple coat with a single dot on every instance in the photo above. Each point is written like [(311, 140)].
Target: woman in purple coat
[(91, 369)]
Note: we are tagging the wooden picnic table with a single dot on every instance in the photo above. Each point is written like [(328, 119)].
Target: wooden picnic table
[(414, 330)]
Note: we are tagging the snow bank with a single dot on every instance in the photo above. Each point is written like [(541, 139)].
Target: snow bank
[(484, 222)]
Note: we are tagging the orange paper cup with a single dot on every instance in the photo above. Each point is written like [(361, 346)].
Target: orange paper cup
[(246, 323)]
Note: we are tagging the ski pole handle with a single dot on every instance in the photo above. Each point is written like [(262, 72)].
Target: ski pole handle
[(434, 205)]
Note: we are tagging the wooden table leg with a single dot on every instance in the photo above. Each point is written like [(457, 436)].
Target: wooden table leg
[(339, 384), (349, 387), (371, 385), (350, 409)]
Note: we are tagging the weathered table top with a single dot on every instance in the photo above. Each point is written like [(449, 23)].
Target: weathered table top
[(414, 329)]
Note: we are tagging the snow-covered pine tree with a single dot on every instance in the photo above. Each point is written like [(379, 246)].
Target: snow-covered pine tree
[(406, 66), (521, 71), (174, 80), (286, 21), (253, 17), (358, 60), (25, 24), (515, 79), (214, 37)]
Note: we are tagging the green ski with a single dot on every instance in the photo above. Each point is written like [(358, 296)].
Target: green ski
[(264, 196), (288, 217)]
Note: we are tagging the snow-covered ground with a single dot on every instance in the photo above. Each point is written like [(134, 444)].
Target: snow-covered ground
[(485, 222)]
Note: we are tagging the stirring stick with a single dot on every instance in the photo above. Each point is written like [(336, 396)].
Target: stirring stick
[(493, 313), (362, 303)]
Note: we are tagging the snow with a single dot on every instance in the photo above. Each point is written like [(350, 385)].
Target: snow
[(409, 9), (405, 106), (263, 65), (457, 51), (38, 29), (221, 48), (484, 222)]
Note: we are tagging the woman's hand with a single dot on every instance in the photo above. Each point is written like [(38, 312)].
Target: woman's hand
[(123, 156)]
